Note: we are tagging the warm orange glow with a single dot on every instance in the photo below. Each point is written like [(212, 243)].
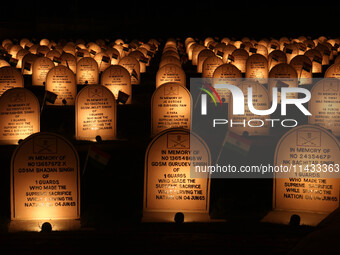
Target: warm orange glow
[(41, 67), (170, 107), (19, 115), (10, 78), (95, 113), (87, 71), (170, 73)]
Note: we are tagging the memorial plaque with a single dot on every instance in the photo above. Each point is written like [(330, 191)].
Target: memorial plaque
[(170, 60), (196, 50), (45, 181), (276, 57), (309, 193), (132, 65), (95, 113), (209, 66), (141, 59), (316, 58), (256, 124), (282, 75), (87, 71), (10, 78), (168, 187), (27, 63), (116, 78), (228, 50), (203, 55), (333, 71), (41, 66), (70, 61), (303, 66), (226, 74), (239, 59), (61, 81), (103, 61), (291, 51), (325, 105), (19, 115), (257, 68), (170, 107), (170, 73)]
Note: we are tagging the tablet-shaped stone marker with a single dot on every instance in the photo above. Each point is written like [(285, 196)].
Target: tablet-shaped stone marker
[(10, 78), (170, 194), (87, 71), (96, 114), (325, 105), (132, 65), (19, 115), (45, 182), (170, 108), (61, 81), (116, 78), (310, 186), (41, 66), (257, 68), (170, 73)]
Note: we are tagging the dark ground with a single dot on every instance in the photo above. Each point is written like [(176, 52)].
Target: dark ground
[(112, 198)]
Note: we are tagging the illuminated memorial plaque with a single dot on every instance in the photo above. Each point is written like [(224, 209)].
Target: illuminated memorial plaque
[(45, 183), (19, 115), (116, 78), (41, 67), (27, 63), (61, 81), (10, 78), (170, 60), (209, 66), (70, 61), (253, 124), (310, 194), (168, 187), (303, 66), (103, 61), (316, 58), (170, 73), (276, 57), (132, 65), (87, 71), (257, 68), (282, 75), (95, 113), (226, 74), (196, 50), (325, 105), (170, 107), (239, 59), (203, 55), (333, 71)]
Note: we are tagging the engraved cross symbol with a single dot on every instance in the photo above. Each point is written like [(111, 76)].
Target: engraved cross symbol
[(45, 146), (309, 139)]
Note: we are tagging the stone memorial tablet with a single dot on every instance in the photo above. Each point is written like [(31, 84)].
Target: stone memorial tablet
[(169, 190), (209, 66), (333, 71), (325, 105), (19, 115), (132, 65), (61, 81), (103, 61), (95, 113), (41, 66), (116, 78), (203, 55), (170, 107), (70, 61), (45, 183), (303, 66), (282, 75), (87, 71), (10, 78), (311, 188), (170, 73), (257, 68), (226, 74), (239, 59)]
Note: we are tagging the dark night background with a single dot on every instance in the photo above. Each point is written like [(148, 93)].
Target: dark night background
[(162, 19), (112, 199)]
